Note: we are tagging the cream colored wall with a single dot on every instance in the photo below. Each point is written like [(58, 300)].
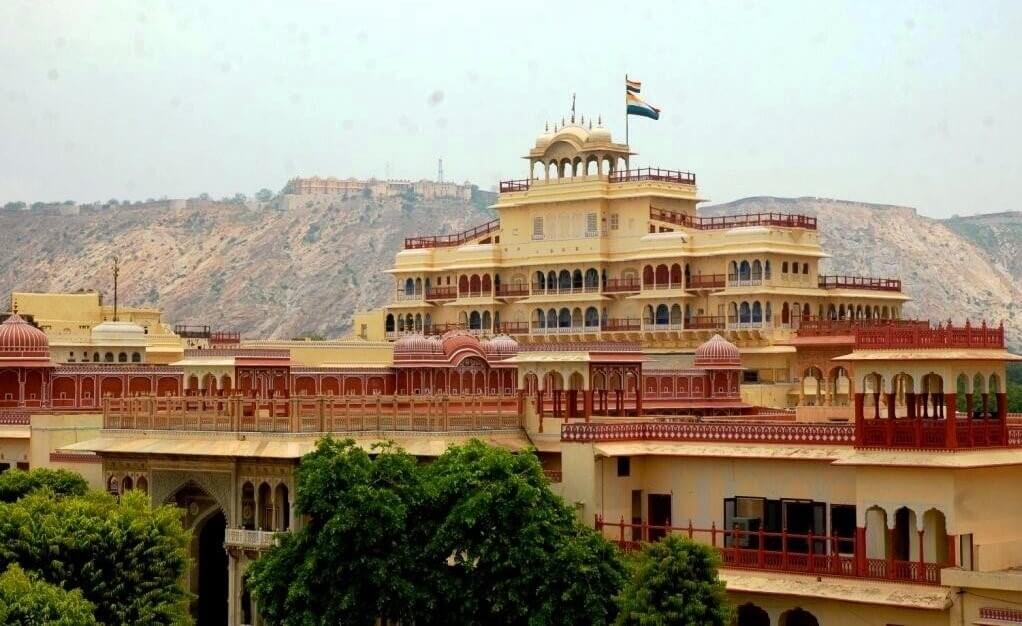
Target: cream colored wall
[(14, 450), (53, 431), (986, 508), (339, 352), (45, 307), (838, 613)]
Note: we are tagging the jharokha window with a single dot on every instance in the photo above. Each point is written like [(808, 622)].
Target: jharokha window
[(537, 228)]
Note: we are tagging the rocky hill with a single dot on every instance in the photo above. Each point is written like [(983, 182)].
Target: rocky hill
[(304, 265), (299, 266)]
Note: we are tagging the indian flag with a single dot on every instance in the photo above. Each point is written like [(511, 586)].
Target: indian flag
[(633, 86), (635, 106)]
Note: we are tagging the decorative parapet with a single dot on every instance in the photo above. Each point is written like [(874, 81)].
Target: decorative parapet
[(744, 432), (250, 539), (890, 336)]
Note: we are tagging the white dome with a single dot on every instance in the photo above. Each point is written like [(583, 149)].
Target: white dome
[(599, 135), (118, 334)]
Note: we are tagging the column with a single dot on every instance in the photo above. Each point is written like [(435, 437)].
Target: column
[(1002, 406), (950, 423), (233, 613), (968, 405), (860, 551), (587, 404), (910, 402), (638, 393), (891, 406)]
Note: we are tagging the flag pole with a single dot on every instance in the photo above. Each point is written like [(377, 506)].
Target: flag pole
[(626, 110)]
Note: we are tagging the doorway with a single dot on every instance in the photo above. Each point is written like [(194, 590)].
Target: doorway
[(212, 583), (659, 510)]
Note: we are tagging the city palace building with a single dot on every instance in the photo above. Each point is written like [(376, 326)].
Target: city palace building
[(674, 373)]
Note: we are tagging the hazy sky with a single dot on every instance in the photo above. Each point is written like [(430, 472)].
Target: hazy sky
[(914, 103)]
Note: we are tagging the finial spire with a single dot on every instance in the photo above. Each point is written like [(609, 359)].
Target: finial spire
[(573, 108), (546, 127)]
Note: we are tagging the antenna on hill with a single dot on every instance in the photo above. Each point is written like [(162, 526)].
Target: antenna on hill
[(117, 271), (440, 171)]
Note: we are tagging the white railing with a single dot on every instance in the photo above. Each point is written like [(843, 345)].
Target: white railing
[(250, 538)]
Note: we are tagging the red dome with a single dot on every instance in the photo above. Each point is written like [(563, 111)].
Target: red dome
[(455, 340), (21, 340), (416, 344), (501, 345), (718, 353)]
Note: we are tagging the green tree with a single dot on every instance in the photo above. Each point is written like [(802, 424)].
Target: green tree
[(15, 484), (513, 552), (14, 206), (239, 198), (674, 582), (355, 560), (264, 195), (27, 601), (127, 558), (476, 537)]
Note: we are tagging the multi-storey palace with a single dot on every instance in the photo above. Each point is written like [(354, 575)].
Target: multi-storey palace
[(674, 373)]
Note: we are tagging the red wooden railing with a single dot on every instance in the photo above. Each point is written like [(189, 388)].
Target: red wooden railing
[(1003, 614), (439, 329), (827, 555), (859, 282), (457, 239), (513, 328), (784, 220), (705, 322), (932, 434), (743, 432), (822, 327), (225, 337), (509, 186), (512, 291), (620, 285), (706, 281), (943, 336), (653, 173), (442, 293), (621, 324)]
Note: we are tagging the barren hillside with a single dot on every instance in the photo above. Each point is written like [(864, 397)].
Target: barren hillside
[(304, 269)]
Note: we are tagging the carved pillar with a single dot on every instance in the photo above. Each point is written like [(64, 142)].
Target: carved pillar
[(860, 400), (950, 423), (891, 406)]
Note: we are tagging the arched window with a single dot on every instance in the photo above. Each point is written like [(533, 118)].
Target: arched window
[(487, 286), (592, 280), (785, 314), (675, 315), (766, 269), (592, 317), (757, 270), (427, 322), (662, 275), (647, 315), (400, 323), (540, 281), (540, 319), (95, 357), (663, 315), (475, 320), (784, 267), (136, 357), (733, 271), (576, 280), (744, 271), (732, 313), (647, 276), (122, 358), (744, 313), (388, 324), (805, 268), (768, 314), (564, 318), (757, 312), (576, 318), (487, 321), (551, 318), (409, 287), (463, 284), (473, 284), (564, 281), (675, 274), (418, 322)]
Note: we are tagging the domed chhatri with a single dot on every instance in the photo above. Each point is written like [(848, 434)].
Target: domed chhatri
[(416, 344), (501, 345), (455, 340), (718, 353), (22, 342)]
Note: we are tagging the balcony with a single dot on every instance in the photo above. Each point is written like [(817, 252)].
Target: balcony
[(224, 337), (724, 222), (562, 290), (723, 432), (622, 285), (405, 296), (434, 294), (512, 186), (187, 331), (250, 539), (892, 337), (859, 282), (705, 282), (457, 239), (814, 555), (655, 174), (735, 280), (705, 322), (512, 291), (314, 414), (665, 285), (613, 325)]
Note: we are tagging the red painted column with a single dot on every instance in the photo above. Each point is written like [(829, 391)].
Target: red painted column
[(951, 558), (950, 423), (968, 405), (925, 398), (876, 405), (860, 550), (890, 553), (638, 393), (890, 406), (1002, 406), (922, 558), (986, 404), (910, 400), (860, 400), (587, 403)]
